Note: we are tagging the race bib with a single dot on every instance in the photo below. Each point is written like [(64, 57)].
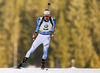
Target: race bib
[(46, 27)]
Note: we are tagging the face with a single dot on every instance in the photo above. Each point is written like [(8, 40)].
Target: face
[(46, 17)]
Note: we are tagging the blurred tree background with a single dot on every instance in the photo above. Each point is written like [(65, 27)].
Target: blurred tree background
[(79, 36)]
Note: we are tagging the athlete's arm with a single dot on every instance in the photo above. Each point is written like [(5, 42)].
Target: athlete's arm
[(54, 23), (37, 25)]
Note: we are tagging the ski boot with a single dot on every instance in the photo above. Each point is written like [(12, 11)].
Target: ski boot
[(43, 64), (22, 62)]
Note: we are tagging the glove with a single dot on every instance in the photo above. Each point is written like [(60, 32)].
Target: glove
[(52, 34), (34, 36)]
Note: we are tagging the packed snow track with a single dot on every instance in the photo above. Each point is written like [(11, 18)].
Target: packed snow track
[(50, 70)]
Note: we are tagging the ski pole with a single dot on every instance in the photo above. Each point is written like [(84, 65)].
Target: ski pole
[(56, 31)]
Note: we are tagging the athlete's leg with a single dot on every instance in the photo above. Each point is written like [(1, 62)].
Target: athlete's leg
[(46, 44), (35, 44), (45, 52)]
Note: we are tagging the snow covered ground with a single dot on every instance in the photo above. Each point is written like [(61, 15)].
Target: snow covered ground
[(49, 70)]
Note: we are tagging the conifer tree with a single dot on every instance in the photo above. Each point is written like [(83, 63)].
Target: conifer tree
[(94, 17), (79, 33)]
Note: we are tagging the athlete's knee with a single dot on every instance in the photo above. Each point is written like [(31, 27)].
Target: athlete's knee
[(30, 51)]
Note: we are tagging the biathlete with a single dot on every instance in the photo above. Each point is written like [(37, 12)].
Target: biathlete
[(44, 30)]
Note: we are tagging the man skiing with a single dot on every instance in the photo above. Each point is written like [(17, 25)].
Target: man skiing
[(44, 30)]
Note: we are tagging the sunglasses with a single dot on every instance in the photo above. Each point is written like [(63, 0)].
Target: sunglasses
[(46, 15)]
